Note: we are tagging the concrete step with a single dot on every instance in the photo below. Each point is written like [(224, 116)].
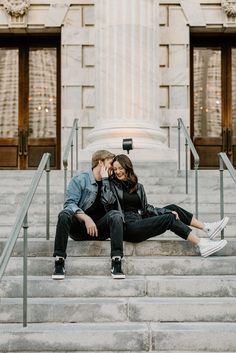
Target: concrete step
[(75, 337), (208, 337), (219, 337), (151, 247), (132, 286), (119, 309), (154, 196), (37, 230), (131, 265)]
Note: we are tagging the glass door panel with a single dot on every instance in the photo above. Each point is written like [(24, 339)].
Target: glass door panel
[(42, 92), (9, 83), (42, 103), (9, 72), (207, 104), (207, 92)]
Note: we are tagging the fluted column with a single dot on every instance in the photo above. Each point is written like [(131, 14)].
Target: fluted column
[(127, 81)]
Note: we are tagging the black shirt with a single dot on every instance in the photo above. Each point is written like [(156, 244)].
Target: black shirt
[(97, 210), (131, 201)]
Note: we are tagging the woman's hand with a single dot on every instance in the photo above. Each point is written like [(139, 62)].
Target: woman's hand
[(176, 214)]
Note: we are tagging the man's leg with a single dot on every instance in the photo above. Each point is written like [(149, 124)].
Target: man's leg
[(62, 231), (66, 221), (112, 225)]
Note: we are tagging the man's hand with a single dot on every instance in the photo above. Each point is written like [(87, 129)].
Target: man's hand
[(104, 171), (89, 224)]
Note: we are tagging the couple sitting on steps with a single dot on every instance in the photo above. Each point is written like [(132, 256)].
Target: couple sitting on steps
[(108, 202)]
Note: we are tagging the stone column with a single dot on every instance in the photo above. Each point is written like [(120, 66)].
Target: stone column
[(127, 77)]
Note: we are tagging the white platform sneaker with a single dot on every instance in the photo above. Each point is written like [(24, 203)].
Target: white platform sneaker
[(212, 229), (208, 247)]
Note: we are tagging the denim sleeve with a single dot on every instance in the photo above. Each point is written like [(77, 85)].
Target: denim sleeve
[(73, 196)]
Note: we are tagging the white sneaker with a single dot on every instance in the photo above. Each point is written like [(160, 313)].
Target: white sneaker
[(208, 247), (212, 229)]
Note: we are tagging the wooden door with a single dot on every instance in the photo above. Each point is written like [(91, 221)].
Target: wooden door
[(213, 111), (29, 101)]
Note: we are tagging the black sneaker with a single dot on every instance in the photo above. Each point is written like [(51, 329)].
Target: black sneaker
[(116, 270), (59, 272)]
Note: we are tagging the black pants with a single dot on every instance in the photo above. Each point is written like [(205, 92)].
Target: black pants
[(138, 229), (109, 226)]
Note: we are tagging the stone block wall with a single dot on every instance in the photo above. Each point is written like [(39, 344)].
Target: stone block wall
[(78, 69)]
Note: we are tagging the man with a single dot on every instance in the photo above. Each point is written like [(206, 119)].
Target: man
[(84, 216)]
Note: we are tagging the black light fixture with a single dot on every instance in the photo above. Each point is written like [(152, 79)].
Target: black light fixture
[(127, 144)]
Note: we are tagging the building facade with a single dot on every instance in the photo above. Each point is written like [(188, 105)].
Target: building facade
[(125, 69)]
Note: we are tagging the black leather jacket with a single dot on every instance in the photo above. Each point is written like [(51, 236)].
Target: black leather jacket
[(113, 198)]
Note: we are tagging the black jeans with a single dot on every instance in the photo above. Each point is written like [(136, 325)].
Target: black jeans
[(109, 226), (138, 229)]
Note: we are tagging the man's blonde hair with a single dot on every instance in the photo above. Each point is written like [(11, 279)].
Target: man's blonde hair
[(101, 155)]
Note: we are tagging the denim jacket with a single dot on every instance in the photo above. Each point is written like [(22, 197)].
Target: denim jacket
[(82, 191), (114, 200)]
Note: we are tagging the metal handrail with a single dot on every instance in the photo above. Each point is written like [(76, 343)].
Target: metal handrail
[(224, 160), (21, 221), (188, 142), (68, 149)]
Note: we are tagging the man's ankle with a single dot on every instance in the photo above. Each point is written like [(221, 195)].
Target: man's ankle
[(59, 257), (116, 258)]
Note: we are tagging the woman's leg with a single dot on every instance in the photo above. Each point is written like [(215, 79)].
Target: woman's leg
[(194, 239), (149, 227), (186, 216), (196, 223)]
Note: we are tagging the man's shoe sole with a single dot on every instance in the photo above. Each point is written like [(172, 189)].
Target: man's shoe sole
[(215, 249), (120, 276), (221, 227), (58, 276)]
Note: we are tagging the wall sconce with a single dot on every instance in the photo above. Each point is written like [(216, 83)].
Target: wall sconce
[(127, 144)]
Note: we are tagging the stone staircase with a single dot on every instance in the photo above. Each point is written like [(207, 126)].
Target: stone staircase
[(172, 300)]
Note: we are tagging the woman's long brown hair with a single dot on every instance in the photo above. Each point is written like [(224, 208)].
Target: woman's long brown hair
[(132, 179)]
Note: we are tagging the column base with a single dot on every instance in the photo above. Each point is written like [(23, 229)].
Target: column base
[(148, 143)]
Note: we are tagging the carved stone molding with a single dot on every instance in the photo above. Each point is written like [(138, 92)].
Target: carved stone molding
[(16, 8), (229, 7)]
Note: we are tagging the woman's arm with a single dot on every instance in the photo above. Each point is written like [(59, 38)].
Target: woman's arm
[(150, 210)]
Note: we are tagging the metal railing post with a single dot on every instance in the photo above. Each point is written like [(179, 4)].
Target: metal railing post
[(77, 145), (69, 150), (221, 193), (25, 270), (196, 189), (179, 147), (188, 143), (65, 179), (48, 199), (71, 160), (186, 165)]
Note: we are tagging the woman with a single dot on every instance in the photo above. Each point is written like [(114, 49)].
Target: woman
[(143, 221)]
